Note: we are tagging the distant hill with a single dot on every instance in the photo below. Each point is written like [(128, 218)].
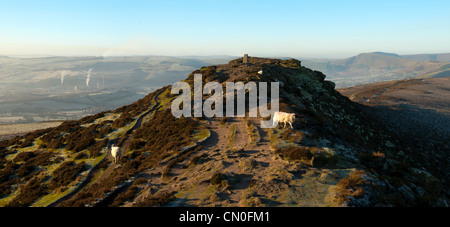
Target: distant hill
[(378, 66), (429, 57), (376, 60)]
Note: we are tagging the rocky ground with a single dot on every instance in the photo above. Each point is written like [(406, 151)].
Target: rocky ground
[(418, 110), (248, 174)]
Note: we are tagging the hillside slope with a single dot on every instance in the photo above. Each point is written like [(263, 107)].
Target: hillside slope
[(417, 109), (336, 155)]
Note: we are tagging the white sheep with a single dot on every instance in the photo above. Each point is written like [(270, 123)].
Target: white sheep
[(116, 153), (282, 117)]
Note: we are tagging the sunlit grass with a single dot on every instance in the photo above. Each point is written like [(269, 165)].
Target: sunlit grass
[(201, 134), (232, 135)]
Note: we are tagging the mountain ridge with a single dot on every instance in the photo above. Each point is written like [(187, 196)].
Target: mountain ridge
[(335, 156), (373, 67)]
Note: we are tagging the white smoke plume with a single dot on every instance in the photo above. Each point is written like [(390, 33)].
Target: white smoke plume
[(88, 77), (63, 73)]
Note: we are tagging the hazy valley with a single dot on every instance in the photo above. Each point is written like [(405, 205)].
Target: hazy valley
[(68, 88)]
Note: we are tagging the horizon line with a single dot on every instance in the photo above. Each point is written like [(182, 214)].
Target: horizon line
[(204, 56)]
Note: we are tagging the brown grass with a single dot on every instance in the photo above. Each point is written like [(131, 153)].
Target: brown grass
[(157, 200), (293, 153), (29, 192), (65, 174), (350, 187)]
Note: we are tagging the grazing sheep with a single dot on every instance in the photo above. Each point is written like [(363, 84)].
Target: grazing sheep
[(116, 153), (282, 117)]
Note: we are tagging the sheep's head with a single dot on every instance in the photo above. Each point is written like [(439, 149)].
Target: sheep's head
[(292, 117)]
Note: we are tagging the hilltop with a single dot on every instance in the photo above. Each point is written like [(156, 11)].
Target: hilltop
[(336, 155)]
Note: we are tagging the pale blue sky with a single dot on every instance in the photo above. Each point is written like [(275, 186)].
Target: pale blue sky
[(320, 28)]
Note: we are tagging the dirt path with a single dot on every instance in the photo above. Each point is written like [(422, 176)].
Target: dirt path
[(242, 160), (258, 157), (219, 136), (241, 140)]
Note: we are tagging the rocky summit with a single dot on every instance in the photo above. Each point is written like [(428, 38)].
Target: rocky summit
[(335, 155)]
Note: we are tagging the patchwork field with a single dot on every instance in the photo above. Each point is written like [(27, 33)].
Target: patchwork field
[(10, 130)]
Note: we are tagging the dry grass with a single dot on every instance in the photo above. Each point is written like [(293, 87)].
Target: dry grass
[(253, 133), (350, 187), (293, 153), (157, 200), (232, 135)]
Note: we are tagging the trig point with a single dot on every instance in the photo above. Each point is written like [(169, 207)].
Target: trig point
[(245, 60)]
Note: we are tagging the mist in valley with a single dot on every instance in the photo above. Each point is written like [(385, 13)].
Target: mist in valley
[(67, 88)]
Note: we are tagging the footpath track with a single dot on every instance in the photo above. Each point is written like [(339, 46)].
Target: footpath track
[(89, 176)]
